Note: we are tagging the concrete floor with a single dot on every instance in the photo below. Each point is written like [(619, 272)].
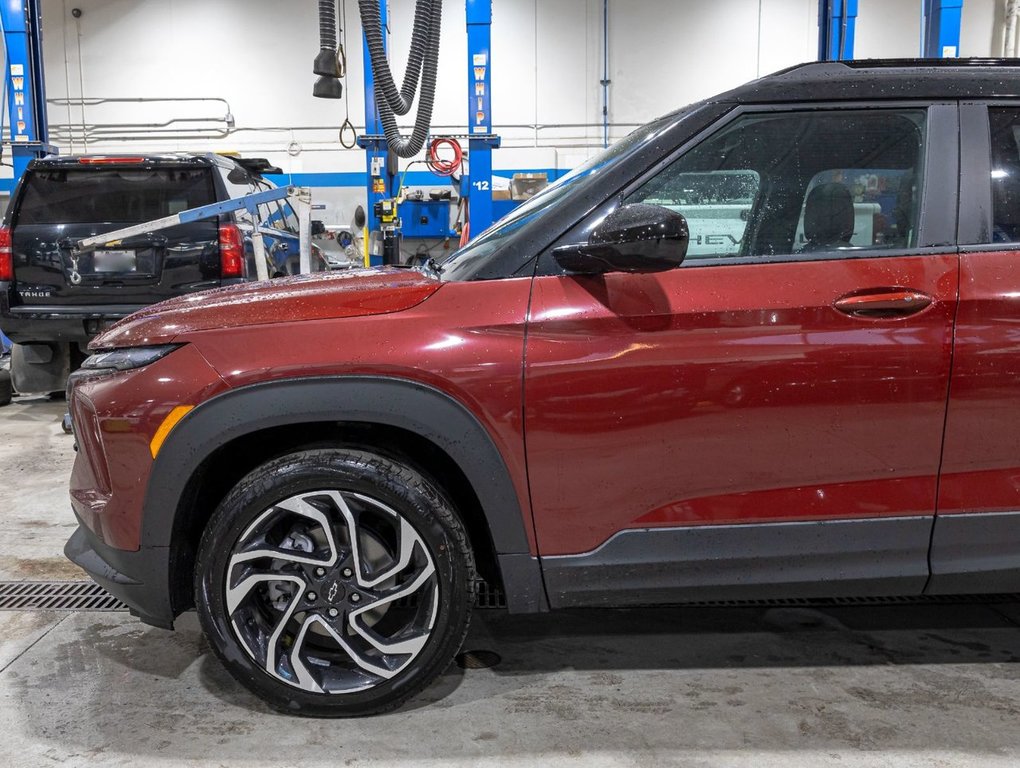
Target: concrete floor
[(928, 685)]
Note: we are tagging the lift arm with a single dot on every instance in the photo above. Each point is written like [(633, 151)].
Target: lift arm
[(248, 203)]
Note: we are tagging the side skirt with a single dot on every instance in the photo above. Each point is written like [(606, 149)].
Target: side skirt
[(975, 553), (872, 557)]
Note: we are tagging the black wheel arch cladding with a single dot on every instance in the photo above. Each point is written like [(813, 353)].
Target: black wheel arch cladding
[(391, 402)]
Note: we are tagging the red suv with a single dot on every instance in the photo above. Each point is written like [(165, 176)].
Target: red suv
[(823, 399)]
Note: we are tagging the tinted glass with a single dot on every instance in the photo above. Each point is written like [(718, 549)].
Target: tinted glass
[(1005, 127), (790, 183), (128, 196), (466, 262)]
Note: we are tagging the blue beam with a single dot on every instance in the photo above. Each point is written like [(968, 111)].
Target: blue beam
[(26, 92), (482, 141), (941, 28), (836, 22), (381, 183)]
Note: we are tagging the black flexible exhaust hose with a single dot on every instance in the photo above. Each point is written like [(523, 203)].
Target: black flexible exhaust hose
[(327, 25), (326, 61), (399, 101), (424, 54)]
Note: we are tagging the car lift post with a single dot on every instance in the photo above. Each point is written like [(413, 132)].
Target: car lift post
[(382, 175), (836, 21), (250, 203), (941, 28), (26, 91), (382, 179), (481, 139)]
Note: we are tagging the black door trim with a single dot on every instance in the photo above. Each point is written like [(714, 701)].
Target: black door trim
[(974, 553), (975, 219), (831, 558)]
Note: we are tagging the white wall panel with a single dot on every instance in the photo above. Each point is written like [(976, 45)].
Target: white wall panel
[(982, 28), (547, 58), (888, 29)]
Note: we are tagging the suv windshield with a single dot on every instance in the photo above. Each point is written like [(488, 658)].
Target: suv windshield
[(103, 195), (469, 260)]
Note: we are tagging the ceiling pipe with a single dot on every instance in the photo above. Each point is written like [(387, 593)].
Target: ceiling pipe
[(605, 73)]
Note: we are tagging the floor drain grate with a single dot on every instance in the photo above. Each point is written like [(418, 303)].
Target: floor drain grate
[(89, 596), (56, 596)]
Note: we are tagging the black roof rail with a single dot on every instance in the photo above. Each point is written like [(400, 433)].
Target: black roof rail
[(946, 63)]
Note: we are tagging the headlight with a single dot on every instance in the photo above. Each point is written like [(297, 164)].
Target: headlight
[(106, 363), (127, 358)]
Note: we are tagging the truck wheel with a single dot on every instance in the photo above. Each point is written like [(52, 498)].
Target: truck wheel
[(6, 389), (335, 582)]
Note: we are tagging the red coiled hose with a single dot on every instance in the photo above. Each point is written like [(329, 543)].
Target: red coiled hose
[(438, 165)]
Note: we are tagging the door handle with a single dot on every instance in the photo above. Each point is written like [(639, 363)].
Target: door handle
[(883, 302)]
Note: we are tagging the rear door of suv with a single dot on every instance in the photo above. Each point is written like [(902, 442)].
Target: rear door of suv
[(976, 541), (59, 202)]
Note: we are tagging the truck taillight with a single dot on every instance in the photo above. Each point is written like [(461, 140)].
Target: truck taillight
[(6, 255), (231, 251)]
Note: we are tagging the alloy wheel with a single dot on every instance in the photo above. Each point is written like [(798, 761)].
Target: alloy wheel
[(331, 591)]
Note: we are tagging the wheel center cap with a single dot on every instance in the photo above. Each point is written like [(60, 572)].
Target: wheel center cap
[(335, 592)]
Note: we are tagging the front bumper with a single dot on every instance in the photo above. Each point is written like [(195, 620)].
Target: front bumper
[(138, 579)]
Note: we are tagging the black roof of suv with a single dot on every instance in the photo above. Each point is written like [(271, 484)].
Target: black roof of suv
[(883, 79)]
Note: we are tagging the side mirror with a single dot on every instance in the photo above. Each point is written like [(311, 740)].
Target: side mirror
[(633, 238)]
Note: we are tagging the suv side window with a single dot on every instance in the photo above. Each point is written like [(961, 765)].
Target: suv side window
[(778, 184), (1004, 123)]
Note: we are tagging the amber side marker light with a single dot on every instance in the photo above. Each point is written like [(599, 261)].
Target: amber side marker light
[(165, 428)]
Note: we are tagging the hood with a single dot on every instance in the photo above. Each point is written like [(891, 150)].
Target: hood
[(319, 296)]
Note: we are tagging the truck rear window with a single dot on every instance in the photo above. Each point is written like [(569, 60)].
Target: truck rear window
[(103, 195)]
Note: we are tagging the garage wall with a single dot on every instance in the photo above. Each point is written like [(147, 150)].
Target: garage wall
[(547, 63), (257, 54)]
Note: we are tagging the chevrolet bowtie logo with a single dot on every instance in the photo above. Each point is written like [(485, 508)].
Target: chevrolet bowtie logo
[(333, 589)]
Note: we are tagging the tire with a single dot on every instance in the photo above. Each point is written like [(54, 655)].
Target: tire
[(307, 618), (6, 388)]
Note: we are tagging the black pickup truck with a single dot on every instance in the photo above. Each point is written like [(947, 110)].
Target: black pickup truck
[(53, 302)]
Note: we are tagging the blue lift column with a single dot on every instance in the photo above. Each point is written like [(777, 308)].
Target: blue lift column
[(836, 20), (942, 28), (381, 183), (26, 92), (481, 140)]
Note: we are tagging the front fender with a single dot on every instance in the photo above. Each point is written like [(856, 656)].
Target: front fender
[(408, 405)]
